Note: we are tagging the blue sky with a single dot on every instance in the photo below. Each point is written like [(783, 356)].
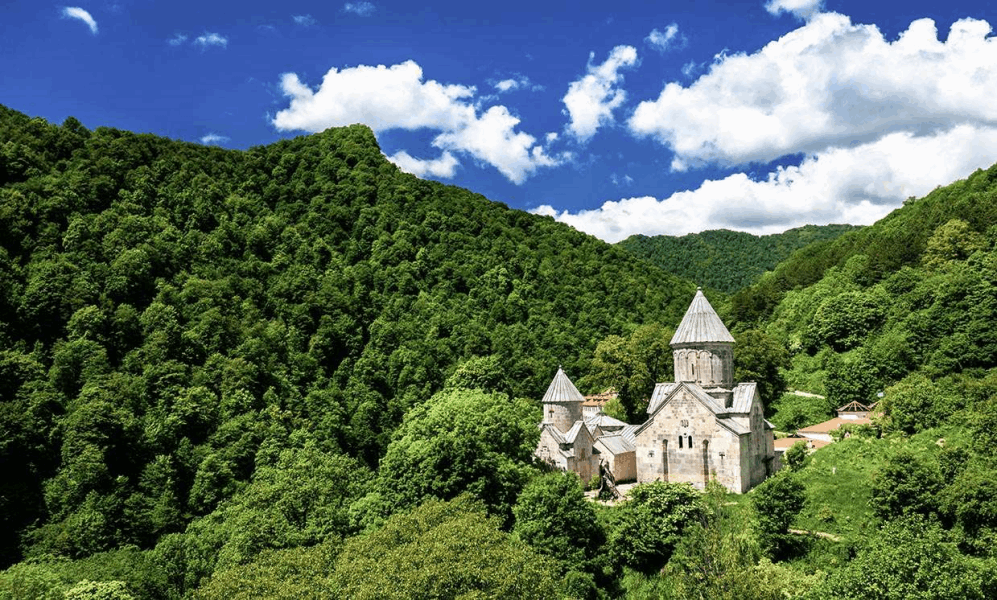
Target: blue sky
[(617, 118)]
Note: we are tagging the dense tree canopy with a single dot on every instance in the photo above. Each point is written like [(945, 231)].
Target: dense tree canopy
[(442, 550), (169, 309), (295, 371), (727, 260), (461, 441)]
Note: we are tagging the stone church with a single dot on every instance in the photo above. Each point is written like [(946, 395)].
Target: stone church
[(700, 427), (571, 442)]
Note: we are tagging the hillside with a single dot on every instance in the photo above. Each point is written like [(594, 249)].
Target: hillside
[(898, 240), (727, 260), (296, 372), (167, 309)]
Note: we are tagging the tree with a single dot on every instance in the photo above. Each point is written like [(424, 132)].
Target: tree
[(953, 241), (300, 573), (796, 456), (719, 558), (777, 502), (461, 441), (760, 358), (442, 550), (479, 373), (907, 485), (843, 321), (650, 523), (970, 502), (911, 559), (850, 379), (554, 518), (632, 365), (915, 404), (99, 590)]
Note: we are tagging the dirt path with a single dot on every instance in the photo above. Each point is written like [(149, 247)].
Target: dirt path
[(806, 394), (822, 534)]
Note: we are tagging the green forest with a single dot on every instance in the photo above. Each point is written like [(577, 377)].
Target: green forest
[(297, 372), (726, 260)]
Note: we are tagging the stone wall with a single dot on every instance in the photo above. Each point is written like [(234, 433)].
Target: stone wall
[(623, 466), (714, 452), (708, 365), (562, 414), (584, 461)]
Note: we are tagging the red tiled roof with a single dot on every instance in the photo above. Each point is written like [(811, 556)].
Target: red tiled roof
[(832, 424), (788, 442)]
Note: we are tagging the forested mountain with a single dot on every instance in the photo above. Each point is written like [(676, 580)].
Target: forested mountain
[(168, 309), (296, 372), (727, 260), (902, 313), (897, 240)]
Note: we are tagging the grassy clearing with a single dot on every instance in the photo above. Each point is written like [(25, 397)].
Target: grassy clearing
[(838, 479)]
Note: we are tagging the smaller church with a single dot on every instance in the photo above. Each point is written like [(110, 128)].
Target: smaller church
[(572, 442), (700, 427)]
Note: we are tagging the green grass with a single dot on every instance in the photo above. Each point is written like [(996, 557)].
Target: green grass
[(838, 479)]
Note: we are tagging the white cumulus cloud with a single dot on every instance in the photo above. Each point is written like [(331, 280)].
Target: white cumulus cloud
[(177, 40), (75, 12), (396, 97), (667, 39), (214, 138), (803, 9), (381, 97), (443, 167), (591, 100), (211, 39), (519, 82), (304, 20), (492, 138), (826, 84), (363, 9), (857, 185)]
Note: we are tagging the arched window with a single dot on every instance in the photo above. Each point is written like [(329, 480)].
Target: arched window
[(680, 441), (690, 441)]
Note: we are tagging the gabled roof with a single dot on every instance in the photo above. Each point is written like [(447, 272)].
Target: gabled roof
[(554, 432), (572, 434), (701, 324), (629, 433), (733, 425), (744, 394), (616, 444), (603, 420), (853, 406), (661, 391), (715, 406), (562, 390)]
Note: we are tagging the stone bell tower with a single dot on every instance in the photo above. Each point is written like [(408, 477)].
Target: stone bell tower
[(562, 404), (703, 350)]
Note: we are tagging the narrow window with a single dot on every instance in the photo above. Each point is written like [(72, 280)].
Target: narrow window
[(664, 461), (680, 441), (690, 441), (706, 462)]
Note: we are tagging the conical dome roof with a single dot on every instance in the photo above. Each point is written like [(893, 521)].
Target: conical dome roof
[(701, 324), (562, 390)]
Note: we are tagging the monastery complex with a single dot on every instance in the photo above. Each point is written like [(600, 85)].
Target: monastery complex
[(702, 426)]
